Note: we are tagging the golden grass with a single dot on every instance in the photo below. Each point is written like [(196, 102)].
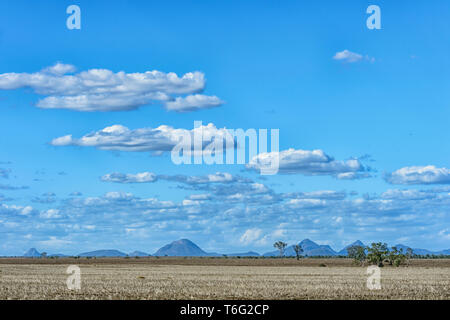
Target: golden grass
[(178, 278)]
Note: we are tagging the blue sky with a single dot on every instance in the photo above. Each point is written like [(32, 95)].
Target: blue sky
[(259, 64)]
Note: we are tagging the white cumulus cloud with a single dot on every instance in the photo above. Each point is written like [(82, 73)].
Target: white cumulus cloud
[(310, 162), (105, 90), (250, 235), (142, 177), (50, 214), (419, 175), (193, 102), (160, 139), (351, 57)]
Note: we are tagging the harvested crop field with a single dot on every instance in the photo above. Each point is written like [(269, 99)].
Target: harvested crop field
[(203, 278)]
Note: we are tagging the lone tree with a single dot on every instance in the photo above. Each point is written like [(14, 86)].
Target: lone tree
[(298, 251), (378, 252), (357, 253), (280, 245), (44, 255)]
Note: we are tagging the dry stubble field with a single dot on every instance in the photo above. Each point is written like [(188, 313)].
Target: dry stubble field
[(205, 278)]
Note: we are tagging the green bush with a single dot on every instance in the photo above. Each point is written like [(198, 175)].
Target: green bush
[(377, 253)]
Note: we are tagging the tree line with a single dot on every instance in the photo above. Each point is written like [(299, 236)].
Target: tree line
[(377, 253)]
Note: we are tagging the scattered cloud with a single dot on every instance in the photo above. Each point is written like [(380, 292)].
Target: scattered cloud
[(351, 57), (250, 235), (220, 184), (445, 233), (235, 212), (322, 195), (3, 198), (348, 56), (161, 139), (306, 203), (59, 69), (105, 90), (143, 177), (197, 197), (218, 177), (4, 173), (51, 214), (9, 187), (407, 195), (16, 210), (315, 162), (44, 199), (193, 102), (54, 242), (353, 175), (419, 175)]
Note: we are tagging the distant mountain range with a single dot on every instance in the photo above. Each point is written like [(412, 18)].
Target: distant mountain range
[(183, 248), (310, 248), (245, 254), (344, 251), (139, 254), (32, 253), (186, 248), (423, 251), (103, 253)]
